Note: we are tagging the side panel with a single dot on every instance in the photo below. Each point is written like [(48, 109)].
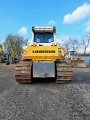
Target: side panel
[(43, 70)]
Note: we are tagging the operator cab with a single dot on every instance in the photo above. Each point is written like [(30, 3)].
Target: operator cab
[(44, 35), (73, 53)]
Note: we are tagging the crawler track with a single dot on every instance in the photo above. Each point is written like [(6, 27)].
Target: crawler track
[(23, 72), (64, 73)]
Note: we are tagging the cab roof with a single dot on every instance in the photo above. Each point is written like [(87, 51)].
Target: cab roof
[(44, 29)]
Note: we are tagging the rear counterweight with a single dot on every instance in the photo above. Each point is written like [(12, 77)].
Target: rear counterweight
[(43, 70)]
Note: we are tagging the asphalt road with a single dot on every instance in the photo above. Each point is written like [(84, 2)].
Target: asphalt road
[(44, 100)]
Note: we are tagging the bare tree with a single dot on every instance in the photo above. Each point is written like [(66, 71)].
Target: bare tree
[(74, 43), (66, 44), (86, 42)]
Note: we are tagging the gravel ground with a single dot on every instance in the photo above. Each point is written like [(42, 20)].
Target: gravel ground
[(44, 100)]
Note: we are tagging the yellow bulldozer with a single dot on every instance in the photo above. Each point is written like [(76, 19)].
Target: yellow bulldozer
[(75, 61), (1, 54), (43, 58)]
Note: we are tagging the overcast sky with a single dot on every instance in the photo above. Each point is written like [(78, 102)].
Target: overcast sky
[(71, 17)]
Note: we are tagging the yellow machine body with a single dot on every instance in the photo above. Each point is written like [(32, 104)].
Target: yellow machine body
[(44, 53)]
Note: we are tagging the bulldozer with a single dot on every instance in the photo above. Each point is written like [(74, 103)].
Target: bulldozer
[(1, 57), (75, 61), (1, 54), (43, 58)]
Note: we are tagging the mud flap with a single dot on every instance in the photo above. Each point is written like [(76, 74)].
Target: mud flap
[(43, 70)]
